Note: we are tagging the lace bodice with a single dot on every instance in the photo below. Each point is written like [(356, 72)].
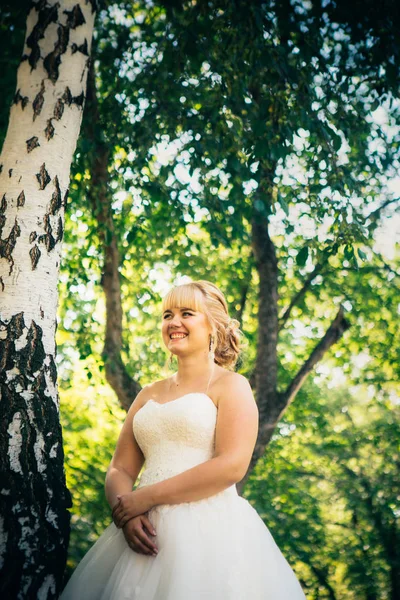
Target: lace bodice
[(175, 436)]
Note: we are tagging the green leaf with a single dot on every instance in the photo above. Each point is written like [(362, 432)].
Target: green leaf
[(348, 252), (361, 254), (336, 142), (284, 205), (302, 256)]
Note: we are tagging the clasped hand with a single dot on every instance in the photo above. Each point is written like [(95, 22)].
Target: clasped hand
[(130, 505)]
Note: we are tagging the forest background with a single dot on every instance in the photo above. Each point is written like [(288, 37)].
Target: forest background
[(201, 140)]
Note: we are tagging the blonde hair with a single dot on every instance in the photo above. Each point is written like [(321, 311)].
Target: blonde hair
[(206, 297)]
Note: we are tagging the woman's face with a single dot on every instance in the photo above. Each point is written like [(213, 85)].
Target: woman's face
[(193, 327)]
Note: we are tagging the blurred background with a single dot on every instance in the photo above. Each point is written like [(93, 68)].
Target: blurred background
[(255, 145)]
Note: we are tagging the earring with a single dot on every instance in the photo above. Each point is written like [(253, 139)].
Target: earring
[(171, 358), (211, 353)]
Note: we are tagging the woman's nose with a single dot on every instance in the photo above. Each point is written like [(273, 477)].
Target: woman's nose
[(176, 320)]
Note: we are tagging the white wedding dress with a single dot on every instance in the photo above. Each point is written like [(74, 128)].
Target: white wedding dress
[(217, 548)]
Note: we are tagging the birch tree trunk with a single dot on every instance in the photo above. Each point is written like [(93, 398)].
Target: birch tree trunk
[(44, 124)]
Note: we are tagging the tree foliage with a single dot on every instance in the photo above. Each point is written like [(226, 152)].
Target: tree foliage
[(210, 116)]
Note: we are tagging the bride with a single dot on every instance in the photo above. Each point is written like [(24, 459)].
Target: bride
[(184, 533)]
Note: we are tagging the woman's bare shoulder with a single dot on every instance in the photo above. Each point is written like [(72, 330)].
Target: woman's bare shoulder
[(229, 377), (228, 381)]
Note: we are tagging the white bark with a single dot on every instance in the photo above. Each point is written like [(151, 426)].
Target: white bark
[(44, 125), (34, 182)]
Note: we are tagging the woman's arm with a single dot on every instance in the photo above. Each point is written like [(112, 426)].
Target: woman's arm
[(201, 481), (117, 482), (128, 458), (236, 435)]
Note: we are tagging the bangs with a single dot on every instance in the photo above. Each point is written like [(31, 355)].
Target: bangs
[(187, 295)]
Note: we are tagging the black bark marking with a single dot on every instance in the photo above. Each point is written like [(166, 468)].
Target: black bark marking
[(79, 100), (2, 284), (58, 109), (47, 239), (55, 202), (49, 131), (75, 17), (14, 331), (15, 327), (35, 255), (65, 198), (52, 61), (67, 96), (32, 236), (33, 354), (3, 208), (1, 168), (43, 177), (47, 14), (52, 369), (69, 99), (32, 143), (23, 99), (4, 354), (3, 204), (7, 245), (10, 172), (38, 101), (82, 48), (87, 68), (94, 4), (60, 230), (2, 223), (21, 199)]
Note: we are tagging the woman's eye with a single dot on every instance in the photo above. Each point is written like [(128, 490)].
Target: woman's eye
[(184, 313)]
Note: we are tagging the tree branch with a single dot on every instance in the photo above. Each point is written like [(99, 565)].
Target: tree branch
[(297, 297), (268, 425), (374, 215), (334, 333)]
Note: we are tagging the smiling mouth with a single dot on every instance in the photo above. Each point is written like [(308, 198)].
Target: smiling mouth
[(174, 339)]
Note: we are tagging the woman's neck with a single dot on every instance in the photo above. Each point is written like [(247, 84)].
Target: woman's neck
[(193, 373)]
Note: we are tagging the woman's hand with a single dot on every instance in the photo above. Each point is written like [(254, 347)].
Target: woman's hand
[(131, 505), (136, 536)]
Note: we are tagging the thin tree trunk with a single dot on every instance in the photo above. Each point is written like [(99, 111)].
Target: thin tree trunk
[(266, 368), (100, 199), (271, 403), (44, 125)]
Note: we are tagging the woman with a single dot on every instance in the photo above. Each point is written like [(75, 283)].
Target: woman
[(184, 533)]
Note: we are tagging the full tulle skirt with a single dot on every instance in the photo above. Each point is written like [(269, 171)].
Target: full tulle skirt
[(216, 549)]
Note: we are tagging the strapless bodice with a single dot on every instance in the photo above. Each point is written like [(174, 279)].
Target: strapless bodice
[(175, 436)]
